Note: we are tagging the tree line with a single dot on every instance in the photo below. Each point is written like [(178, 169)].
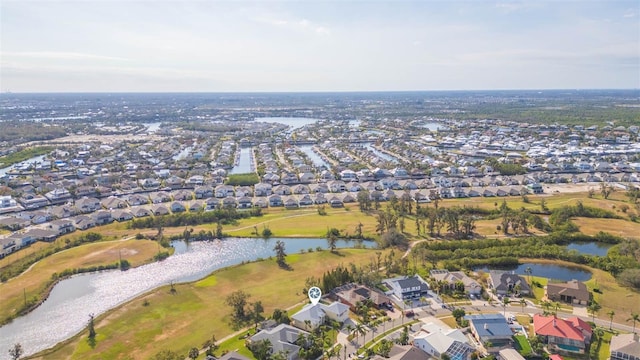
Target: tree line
[(224, 216)]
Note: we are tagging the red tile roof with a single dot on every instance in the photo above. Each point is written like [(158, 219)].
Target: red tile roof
[(555, 357), (552, 326)]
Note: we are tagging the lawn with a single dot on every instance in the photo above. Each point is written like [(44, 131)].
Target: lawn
[(624, 228), (522, 345), (33, 281), (196, 311)]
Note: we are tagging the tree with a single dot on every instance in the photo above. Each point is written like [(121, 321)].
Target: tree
[(332, 239), (523, 303), (593, 308), (92, 329), (606, 190), (458, 314), (219, 233), (384, 347), (210, 345), (359, 330), (261, 349), (194, 353), (280, 253), (16, 351), (256, 313), (611, 314), (167, 355), (238, 300), (403, 339), (505, 302), (528, 271), (635, 318)]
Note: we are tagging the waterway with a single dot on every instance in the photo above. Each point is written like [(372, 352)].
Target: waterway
[(182, 154), (315, 158), (434, 126), (590, 248), (293, 122), (380, 154), (153, 127), (67, 309), (32, 160), (551, 271), (244, 163)]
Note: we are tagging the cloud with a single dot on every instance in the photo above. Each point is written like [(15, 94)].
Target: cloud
[(629, 14), (300, 25), (60, 55)]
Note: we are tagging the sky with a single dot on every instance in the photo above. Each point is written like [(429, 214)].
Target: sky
[(331, 45)]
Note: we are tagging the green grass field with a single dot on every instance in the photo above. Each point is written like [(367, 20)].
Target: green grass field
[(522, 345), (196, 311)]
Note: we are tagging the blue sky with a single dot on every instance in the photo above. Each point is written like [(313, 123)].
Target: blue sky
[(186, 45)]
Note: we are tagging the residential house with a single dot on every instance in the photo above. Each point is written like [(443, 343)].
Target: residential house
[(177, 207), (140, 212), (86, 205), (625, 347), (159, 209), (203, 192), (8, 245), (102, 217), (223, 191), (311, 316), (263, 189), (504, 282), (452, 279), (572, 292), (113, 202), (212, 204), (491, 329), (62, 226), (437, 342), (282, 190), (229, 202), (31, 202), (160, 197), (572, 335), (275, 200), (83, 222), (283, 339), (196, 206), (406, 288), (510, 354), (58, 195), (122, 215), (351, 294), (136, 200)]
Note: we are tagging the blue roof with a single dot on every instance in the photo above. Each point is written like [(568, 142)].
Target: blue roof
[(490, 325)]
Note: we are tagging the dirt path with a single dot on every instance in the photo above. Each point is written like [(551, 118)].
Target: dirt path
[(411, 245)]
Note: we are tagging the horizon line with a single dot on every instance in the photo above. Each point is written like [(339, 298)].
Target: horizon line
[(9, 92)]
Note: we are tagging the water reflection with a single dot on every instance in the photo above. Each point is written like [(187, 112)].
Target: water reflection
[(66, 311)]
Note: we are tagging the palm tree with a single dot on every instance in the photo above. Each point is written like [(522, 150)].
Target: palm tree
[(556, 306), (528, 271), (523, 303), (505, 301), (611, 314), (359, 330), (635, 318), (546, 305)]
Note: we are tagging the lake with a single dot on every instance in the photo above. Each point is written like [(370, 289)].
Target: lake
[(294, 122), (551, 271), (67, 309), (590, 248)]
